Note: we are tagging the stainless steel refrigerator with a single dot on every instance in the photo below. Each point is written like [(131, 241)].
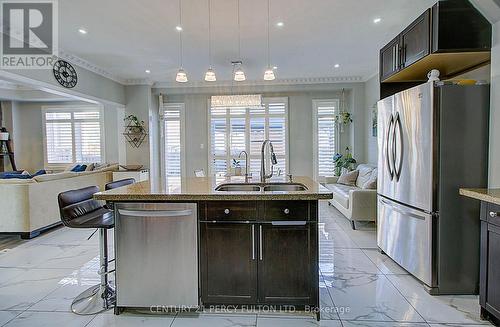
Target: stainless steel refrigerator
[(432, 140)]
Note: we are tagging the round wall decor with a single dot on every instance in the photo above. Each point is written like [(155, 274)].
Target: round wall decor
[(65, 74)]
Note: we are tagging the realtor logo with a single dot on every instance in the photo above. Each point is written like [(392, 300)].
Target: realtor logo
[(29, 34)]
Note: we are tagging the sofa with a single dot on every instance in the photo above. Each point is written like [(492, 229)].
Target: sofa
[(357, 202), (30, 206)]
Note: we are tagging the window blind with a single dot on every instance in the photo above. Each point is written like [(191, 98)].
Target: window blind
[(172, 142), (234, 129), (72, 135), (326, 136)]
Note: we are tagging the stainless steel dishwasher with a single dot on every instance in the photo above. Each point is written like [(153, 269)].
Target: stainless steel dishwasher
[(156, 255)]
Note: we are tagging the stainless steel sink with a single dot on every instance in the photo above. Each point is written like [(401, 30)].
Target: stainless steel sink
[(285, 187), (238, 188), (273, 187)]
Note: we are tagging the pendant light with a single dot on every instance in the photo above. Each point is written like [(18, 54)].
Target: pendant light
[(269, 73), (239, 74), (210, 74), (181, 76)]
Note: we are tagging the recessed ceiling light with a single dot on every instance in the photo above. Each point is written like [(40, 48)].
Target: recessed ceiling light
[(275, 67), (377, 20), (147, 71), (336, 65), (280, 24), (178, 28), (82, 31)]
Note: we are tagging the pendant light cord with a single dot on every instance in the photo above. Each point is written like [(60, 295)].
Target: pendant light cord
[(239, 33), (180, 32), (268, 51), (210, 34)]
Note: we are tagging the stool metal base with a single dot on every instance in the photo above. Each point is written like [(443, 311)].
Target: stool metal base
[(94, 300)]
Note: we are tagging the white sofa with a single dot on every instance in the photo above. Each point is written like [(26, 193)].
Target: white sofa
[(30, 206), (356, 203)]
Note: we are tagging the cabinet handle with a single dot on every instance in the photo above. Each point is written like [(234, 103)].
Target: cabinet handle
[(494, 214), (253, 242), (286, 211), (260, 242), (397, 57), (227, 211)]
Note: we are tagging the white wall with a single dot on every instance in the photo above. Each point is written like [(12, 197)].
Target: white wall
[(494, 161), (138, 102), (300, 121), (26, 130), (372, 95)]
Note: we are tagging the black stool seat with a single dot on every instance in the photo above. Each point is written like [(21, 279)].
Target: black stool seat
[(80, 210), (100, 218), (119, 183)]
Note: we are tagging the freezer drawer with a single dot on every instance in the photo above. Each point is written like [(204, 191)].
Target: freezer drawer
[(405, 235), (156, 255)]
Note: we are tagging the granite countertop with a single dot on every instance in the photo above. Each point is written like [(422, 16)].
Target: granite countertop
[(491, 195), (199, 189)]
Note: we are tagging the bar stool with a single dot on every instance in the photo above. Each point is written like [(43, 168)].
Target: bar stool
[(120, 183), (78, 209)]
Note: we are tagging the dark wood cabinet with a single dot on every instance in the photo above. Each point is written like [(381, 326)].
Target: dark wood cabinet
[(262, 261), (452, 37), (415, 40), (389, 58), (228, 263), (489, 288), (286, 275)]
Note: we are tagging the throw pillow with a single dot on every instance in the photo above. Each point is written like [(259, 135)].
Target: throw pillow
[(348, 178), (370, 185), (18, 176), (79, 168), (90, 167), (76, 168), (40, 172)]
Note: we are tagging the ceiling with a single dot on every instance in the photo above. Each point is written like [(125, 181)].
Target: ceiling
[(126, 37)]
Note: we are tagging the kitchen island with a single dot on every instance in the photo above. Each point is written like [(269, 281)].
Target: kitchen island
[(489, 269), (217, 242)]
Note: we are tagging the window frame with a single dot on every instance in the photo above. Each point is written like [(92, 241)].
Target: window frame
[(182, 115), (315, 105), (265, 101), (72, 109)]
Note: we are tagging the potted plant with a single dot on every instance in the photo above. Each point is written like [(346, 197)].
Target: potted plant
[(4, 135), (134, 125), (343, 161), (237, 167), (343, 118)]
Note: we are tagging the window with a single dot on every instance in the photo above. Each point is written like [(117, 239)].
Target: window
[(325, 137), (72, 135), (172, 146), (234, 129)]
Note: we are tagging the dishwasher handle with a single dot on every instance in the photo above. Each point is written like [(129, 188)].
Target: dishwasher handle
[(155, 213)]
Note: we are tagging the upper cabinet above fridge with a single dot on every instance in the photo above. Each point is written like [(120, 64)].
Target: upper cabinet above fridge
[(452, 37)]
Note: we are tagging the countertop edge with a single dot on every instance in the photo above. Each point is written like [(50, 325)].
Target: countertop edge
[(478, 195), (210, 197)]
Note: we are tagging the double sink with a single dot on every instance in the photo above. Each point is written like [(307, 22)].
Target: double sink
[(258, 187)]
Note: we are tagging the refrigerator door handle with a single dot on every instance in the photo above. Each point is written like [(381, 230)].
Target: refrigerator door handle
[(398, 155), (388, 159)]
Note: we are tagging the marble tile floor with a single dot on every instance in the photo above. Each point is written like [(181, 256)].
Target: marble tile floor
[(358, 286)]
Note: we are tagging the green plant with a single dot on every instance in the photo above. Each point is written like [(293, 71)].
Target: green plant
[(134, 124), (236, 163), (343, 117), (343, 161)]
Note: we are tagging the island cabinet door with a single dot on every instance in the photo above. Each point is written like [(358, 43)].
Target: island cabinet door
[(287, 263), (228, 262)]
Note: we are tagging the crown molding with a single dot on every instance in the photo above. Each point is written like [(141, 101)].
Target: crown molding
[(138, 81), (285, 81), (369, 77), (89, 66)]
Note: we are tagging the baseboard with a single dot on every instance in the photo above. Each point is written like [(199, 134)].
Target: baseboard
[(34, 233)]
